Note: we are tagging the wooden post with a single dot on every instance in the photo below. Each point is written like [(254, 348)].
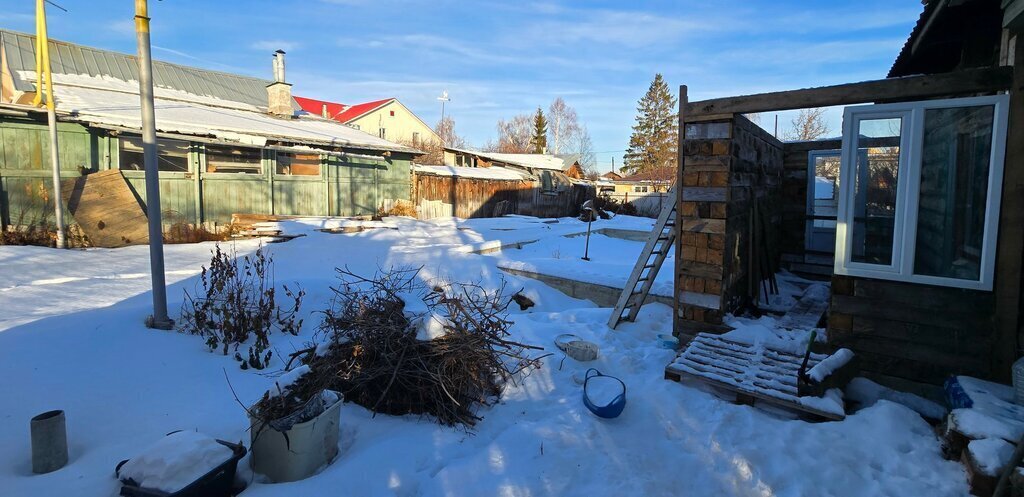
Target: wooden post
[(1010, 246), (680, 165)]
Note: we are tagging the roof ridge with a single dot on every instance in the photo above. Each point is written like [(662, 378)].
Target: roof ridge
[(133, 56)]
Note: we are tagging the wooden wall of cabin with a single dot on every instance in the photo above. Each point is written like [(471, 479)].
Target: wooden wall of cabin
[(26, 182), (346, 187), (912, 336), (793, 227), (729, 165)]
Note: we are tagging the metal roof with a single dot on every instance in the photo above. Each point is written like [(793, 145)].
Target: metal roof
[(68, 58)]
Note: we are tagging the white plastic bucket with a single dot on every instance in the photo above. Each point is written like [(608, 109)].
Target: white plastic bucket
[(307, 447)]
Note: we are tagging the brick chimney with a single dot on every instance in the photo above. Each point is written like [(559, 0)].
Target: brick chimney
[(279, 93)]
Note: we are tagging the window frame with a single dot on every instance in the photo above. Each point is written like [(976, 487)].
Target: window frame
[(131, 173), (298, 177), (908, 191), (264, 163)]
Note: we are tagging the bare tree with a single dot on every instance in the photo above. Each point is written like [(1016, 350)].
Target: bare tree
[(563, 126), (514, 135), (809, 124), (581, 144), (433, 150), (445, 129)]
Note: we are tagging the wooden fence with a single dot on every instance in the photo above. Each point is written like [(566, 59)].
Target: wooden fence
[(443, 196)]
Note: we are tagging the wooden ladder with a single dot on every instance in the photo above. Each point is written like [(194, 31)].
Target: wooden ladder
[(660, 241)]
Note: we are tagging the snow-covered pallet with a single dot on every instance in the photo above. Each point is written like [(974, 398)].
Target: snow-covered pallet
[(753, 373)]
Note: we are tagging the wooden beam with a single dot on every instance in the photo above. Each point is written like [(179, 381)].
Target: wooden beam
[(984, 80), (1010, 245), (680, 163)]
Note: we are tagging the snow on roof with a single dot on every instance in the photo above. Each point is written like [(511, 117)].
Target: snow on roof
[(113, 102), (656, 174), (533, 161), (491, 173)]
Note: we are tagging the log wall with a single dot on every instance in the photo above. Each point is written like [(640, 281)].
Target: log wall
[(909, 335)]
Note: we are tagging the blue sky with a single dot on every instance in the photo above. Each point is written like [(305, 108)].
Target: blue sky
[(497, 59)]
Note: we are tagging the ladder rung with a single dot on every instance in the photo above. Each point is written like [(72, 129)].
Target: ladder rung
[(649, 266)]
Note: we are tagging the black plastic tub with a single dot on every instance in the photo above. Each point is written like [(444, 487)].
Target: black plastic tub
[(219, 482)]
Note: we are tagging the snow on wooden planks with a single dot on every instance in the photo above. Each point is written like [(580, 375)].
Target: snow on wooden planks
[(105, 208), (753, 372), (808, 310)]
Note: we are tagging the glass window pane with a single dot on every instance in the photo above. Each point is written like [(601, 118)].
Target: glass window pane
[(172, 155), (876, 178), (954, 186), (298, 164), (220, 159), (826, 191)]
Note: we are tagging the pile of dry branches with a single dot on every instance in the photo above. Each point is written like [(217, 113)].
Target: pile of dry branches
[(375, 353)]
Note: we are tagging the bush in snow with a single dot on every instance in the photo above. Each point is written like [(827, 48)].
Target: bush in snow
[(238, 300), (395, 346)]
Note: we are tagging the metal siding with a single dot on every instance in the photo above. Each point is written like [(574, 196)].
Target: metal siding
[(68, 58)]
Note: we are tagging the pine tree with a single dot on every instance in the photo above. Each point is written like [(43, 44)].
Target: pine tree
[(655, 135), (540, 133)]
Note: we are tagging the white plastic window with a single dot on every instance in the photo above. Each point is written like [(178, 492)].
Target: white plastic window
[(919, 191)]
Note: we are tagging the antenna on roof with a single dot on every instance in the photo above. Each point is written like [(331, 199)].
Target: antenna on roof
[(443, 98)]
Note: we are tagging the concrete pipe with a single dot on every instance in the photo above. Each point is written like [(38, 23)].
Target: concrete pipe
[(49, 442)]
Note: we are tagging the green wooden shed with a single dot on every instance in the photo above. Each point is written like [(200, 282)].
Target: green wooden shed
[(221, 149)]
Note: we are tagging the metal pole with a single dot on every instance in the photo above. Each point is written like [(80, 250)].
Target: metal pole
[(58, 203), (586, 248), (159, 318), (43, 73)]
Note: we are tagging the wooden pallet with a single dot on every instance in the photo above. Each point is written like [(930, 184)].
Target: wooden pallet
[(752, 373)]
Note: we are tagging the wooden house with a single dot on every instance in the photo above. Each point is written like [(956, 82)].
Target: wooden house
[(545, 185), (227, 143), (916, 214), (387, 118)]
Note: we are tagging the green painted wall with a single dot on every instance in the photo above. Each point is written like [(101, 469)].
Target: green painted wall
[(26, 191), (345, 187)]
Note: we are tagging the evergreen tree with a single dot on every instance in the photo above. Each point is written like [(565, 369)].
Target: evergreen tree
[(656, 133), (540, 133)]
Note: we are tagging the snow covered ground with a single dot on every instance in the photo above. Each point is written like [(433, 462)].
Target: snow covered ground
[(72, 338)]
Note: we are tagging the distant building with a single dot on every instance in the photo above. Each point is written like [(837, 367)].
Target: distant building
[(656, 180), (553, 171), (388, 119)]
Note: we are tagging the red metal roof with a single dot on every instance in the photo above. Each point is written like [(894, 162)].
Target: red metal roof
[(337, 111)]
